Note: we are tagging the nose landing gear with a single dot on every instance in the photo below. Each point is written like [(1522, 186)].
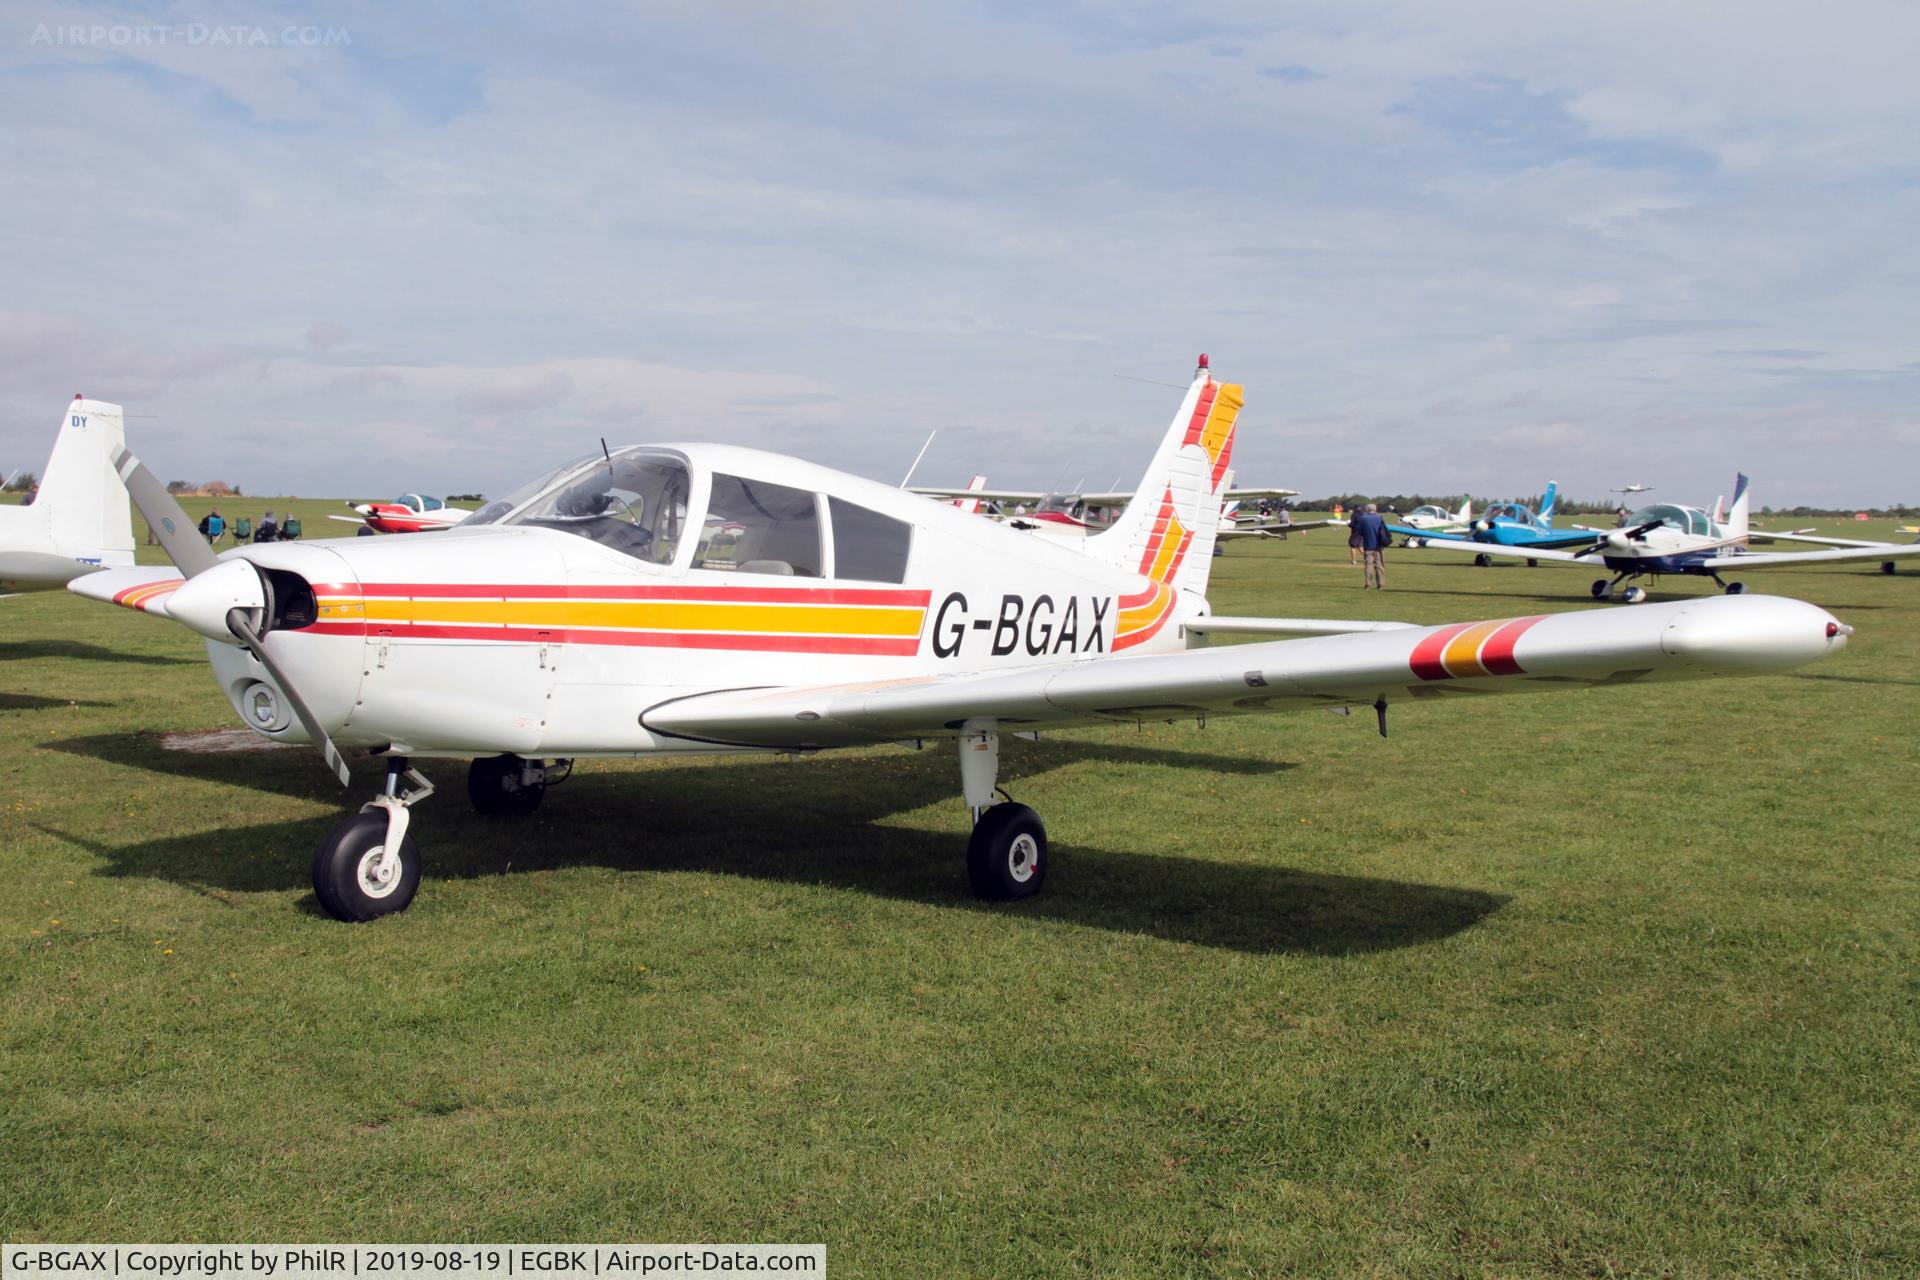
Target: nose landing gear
[(1007, 851), (368, 866)]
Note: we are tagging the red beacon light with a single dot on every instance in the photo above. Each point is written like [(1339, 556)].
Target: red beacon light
[(78, 396), (1203, 359)]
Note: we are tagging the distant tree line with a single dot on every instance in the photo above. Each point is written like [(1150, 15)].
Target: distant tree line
[(22, 483), (205, 489)]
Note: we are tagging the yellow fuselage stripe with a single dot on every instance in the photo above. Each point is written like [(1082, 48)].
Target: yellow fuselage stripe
[(650, 615)]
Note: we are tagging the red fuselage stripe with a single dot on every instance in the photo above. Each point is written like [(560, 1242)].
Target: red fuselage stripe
[(870, 645), (540, 591)]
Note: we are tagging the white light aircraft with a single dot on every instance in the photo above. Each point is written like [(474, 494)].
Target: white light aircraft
[(685, 599), (1669, 539), (78, 523), (1433, 517)]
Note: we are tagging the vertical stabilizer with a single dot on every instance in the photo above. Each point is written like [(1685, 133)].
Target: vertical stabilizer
[(1737, 513), (1167, 531), (1546, 503), (84, 502)]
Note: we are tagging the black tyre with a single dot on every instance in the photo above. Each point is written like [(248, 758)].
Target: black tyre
[(1532, 563), (1736, 588), (494, 786), (1483, 560), (1599, 589), (346, 870), (1887, 566), (1007, 854), (363, 532)]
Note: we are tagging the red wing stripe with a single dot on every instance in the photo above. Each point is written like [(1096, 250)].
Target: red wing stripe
[(1497, 654), (1425, 659)]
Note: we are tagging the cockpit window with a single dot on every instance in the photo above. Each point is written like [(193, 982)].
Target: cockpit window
[(753, 526), (868, 546), (635, 504)]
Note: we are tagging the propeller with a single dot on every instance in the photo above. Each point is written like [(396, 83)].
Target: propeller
[(1620, 537), (182, 542)]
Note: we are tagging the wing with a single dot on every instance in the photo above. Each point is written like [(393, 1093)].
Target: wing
[(1254, 495), (1776, 559), (1270, 530), (985, 495), (1428, 541), (1288, 626), (1762, 535), (1717, 635)]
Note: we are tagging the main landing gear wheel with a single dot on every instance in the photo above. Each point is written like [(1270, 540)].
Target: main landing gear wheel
[(353, 878), (497, 788), (1532, 563), (1007, 853), (1887, 566), (363, 532), (1736, 588), (1634, 595), (1483, 561), (1601, 589)]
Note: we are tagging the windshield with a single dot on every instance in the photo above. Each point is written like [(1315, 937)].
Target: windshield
[(1671, 516), (635, 504), (1067, 504), (500, 508)]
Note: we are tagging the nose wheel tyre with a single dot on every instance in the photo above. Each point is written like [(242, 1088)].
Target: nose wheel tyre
[(354, 880), (494, 785), (1007, 853)]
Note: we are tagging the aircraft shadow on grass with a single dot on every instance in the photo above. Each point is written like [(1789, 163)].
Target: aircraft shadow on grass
[(35, 702), (823, 828), (20, 650)]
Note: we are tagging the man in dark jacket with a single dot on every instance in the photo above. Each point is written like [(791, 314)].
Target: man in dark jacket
[(1372, 533)]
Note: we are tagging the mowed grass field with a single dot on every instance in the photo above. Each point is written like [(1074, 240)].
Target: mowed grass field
[(1611, 982)]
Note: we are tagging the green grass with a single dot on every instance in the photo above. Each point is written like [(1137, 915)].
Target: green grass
[(1612, 982)]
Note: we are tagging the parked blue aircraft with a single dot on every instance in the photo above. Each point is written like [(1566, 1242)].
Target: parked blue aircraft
[(1507, 524)]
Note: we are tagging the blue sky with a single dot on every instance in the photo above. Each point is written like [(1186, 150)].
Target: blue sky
[(1446, 247)]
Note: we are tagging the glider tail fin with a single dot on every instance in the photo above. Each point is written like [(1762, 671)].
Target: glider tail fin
[(1167, 531), (86, 506)]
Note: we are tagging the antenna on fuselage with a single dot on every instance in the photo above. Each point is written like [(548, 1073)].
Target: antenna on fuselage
[(907, 478)]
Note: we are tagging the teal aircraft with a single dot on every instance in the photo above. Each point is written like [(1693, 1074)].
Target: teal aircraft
[(1506, 524)]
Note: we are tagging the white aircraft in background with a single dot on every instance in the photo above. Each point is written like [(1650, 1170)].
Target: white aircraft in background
[(1669, 539), (79, 521), (600, 611), (1435, 517)]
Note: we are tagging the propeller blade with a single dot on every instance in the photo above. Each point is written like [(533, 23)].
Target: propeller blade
[(178, 535), (1640, 533), (238, 622)]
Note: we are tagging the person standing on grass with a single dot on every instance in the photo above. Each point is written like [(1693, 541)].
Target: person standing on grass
[(1353, 537), (1370, 531)]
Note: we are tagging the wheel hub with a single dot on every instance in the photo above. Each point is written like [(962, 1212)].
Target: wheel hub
[(378, 874), (1022, 855)]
